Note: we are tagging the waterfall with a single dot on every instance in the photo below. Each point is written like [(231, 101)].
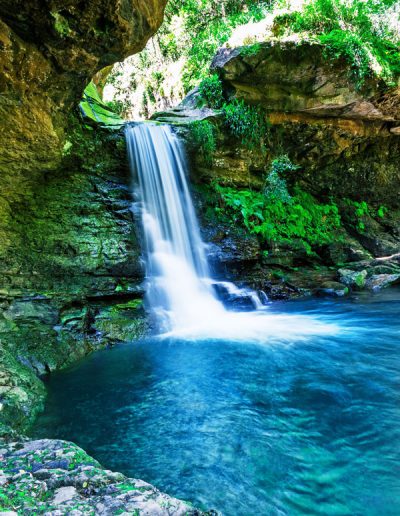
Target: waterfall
[(180, 291)]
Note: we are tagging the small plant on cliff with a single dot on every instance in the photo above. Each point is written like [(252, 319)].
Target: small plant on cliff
[(248, 124), (202, 135), (275, 183), (302, 219), (61, 24), (250, 50), (360, 211), (211, 91)]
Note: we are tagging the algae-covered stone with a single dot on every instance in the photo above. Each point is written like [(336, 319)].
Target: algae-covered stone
[(354, 279), (83, 487), (22, 394)]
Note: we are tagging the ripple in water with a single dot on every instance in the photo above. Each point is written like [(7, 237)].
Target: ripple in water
[(310, 428)]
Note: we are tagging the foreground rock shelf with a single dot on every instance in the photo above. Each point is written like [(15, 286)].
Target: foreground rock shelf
[(54, 477)]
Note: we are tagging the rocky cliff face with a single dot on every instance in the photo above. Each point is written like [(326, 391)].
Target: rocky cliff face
[(70, 270), (345, 143), (47, 56), (345, 138), (69, 257)]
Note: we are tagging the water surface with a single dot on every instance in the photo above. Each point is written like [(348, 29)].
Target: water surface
[(298, 427)]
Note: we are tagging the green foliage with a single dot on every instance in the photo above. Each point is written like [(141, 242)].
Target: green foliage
[(95, 110), (360, 212), (350, 46), (116, 106), (179, 56), (211, 91), (210, 24), (202, 134), (357, 30), (80, 457), (247, 123), (275, 185), (302, 219), (250, 50)]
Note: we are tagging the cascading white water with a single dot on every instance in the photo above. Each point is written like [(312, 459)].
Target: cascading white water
[(180, 291)]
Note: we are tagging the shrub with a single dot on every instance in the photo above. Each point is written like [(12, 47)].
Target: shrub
[(246, 123), (211, 91), (202, 135), (303, 219), (275, 185)]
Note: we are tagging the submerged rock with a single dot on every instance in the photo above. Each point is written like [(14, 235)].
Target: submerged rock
[(332, 289)]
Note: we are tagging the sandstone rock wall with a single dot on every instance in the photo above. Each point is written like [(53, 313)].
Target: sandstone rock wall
[(346, 139), (70, 271)]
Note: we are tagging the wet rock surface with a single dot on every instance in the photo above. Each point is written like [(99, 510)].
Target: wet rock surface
[(70, 270), (66, 233), (55, 478)]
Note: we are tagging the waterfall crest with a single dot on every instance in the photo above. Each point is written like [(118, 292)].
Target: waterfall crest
[(180, 291)]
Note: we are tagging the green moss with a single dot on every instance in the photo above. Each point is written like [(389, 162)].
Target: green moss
[(133, 304), (122, 322), (78, 457), (359, 280), (71, 237), (61, 24), (22, 393)]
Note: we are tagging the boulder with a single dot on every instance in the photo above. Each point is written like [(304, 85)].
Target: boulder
[(379, 281), (84, 487), (353, 279), (296, 77)]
